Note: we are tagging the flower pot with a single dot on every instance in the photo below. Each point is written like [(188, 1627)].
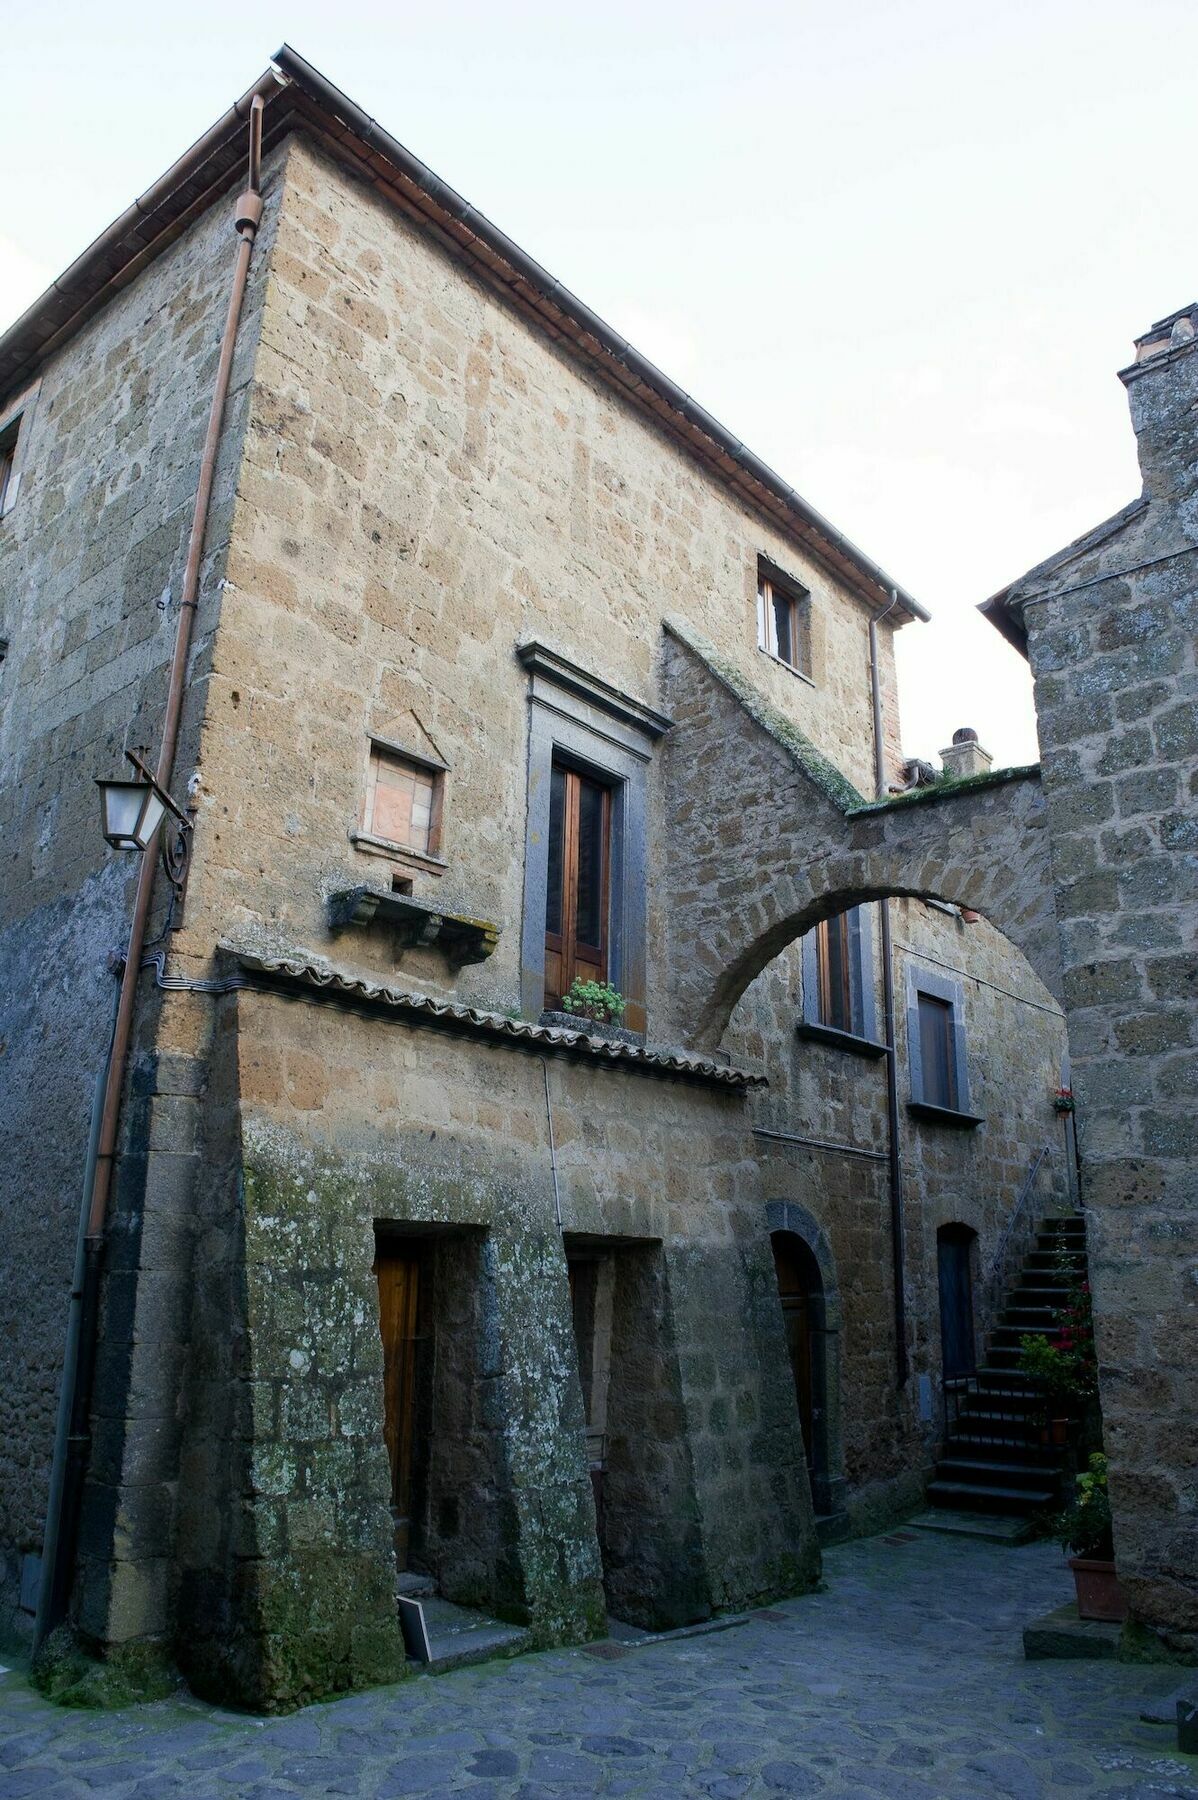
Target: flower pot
[(1060, 1432), (1099, 1591)]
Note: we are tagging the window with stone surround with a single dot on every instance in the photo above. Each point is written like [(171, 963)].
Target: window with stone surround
[(838, 981), (783, 619), (402, 812), (585, 856), (14, 432), (8, 456), (936, 1049)]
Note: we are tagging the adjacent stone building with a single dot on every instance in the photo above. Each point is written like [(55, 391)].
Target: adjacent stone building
[(1110, 627), (502, 650)]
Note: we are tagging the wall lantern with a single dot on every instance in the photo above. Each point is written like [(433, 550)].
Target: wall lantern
[(131, 813)]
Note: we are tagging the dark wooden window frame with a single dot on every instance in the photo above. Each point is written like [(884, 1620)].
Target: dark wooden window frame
[(854, 1025), (577, 717), (568, 956)]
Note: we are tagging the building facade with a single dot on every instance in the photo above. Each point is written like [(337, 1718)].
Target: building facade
[(399, 1267), (1109, 627)]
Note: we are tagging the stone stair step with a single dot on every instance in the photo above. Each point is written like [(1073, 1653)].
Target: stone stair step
[(972, 1494), (981, 1470)]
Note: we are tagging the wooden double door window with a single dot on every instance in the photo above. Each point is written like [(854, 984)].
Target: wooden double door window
[(578, 889)]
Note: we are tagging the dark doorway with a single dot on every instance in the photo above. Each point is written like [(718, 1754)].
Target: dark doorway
[(398, 1268), (801, 1292), (954, 1260)]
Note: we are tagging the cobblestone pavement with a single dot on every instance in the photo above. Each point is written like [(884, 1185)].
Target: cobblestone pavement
[(905, 1678)]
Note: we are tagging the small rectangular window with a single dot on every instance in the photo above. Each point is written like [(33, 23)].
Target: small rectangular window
[(403, 802), (937, 1059), (8, 457), (783, 621), (578, 881)]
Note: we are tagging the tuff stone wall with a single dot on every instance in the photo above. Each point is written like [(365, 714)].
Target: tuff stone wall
[(427, 484), (767, 836), (1111, 631), (883, 1437), (91, 556), (348, 1122)]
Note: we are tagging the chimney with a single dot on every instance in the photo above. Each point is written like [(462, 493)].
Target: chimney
[(1162, 391), (965, 755)]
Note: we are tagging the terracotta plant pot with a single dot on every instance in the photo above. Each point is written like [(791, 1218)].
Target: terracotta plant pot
[(1099, 1591), (1060, 1432)]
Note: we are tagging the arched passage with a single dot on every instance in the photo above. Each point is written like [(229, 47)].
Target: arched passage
[(767, 838)]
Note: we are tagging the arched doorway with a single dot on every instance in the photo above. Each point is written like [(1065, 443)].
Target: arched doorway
[(801, 1292), (958, 1332)]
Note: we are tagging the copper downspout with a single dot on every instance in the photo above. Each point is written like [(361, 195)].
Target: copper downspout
[(247, 217), (77, 1380)]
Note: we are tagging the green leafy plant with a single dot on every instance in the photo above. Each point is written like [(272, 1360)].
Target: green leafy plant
[(1085, 1526), (1064, 1363), (596, 1000)]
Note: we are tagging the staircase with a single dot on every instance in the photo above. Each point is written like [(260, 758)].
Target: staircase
[(994, 1460)]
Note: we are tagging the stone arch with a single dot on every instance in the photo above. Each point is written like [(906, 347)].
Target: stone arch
[(788, 1219), (767, 838)]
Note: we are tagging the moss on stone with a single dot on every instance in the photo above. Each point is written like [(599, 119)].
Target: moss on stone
[(947, 788), (126, 1676), (826, 776), (1141, 1644)]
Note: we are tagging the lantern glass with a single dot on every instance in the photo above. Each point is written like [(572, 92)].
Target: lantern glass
[(131, 813)]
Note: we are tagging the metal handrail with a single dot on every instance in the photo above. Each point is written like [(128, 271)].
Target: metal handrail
[(999, 1260)]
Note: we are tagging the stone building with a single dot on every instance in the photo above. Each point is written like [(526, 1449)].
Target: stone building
[(502, 652), (1110, 627)]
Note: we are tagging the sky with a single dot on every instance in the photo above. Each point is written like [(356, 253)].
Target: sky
[(899, 249)]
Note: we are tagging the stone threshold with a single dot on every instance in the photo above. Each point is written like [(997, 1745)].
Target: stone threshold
[(307, 977)]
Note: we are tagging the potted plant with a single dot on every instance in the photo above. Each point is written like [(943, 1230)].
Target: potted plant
[(595, 1000), (1063, 1364), (1063, 1101), (1085, 1529)]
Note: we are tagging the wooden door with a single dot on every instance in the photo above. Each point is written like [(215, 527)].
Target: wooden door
[(398, 1273), (958, 1343), (794, 1291)]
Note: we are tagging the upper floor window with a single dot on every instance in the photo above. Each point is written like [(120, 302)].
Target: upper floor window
[(936, 1051), (838, 980), (936, 1046), (577, 890), (783, 620), (8, 457), (14, 432), (590, 748)]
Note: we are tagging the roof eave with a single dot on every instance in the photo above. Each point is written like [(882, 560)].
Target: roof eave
[(297, 95)]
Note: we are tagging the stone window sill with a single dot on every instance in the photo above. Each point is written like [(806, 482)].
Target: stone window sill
[(594, 1028), (944, 1115), (399, 853), (791, 668), (839, 1040)]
